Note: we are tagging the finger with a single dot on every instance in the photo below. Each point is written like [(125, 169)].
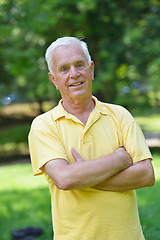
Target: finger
[(76, 155)]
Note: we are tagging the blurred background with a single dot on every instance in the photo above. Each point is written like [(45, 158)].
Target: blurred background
[(123, 38), (124, 41)]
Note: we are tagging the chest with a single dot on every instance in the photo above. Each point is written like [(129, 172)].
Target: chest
[(92, 141)]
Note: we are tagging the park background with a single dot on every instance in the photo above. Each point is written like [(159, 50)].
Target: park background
[(124, 41)]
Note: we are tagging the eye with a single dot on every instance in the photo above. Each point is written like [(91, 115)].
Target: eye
[(63, 69), (80, 65)]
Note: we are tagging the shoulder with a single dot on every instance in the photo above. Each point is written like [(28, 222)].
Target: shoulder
[(116, 111), (119, 115), (44, 120)]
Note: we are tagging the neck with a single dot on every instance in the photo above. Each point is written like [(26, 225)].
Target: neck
[(80, 109)]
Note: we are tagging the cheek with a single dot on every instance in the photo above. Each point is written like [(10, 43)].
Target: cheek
[(62, 86), (60, 83)]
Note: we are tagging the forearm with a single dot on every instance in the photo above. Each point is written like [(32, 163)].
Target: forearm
[(138, 175), (84, 174), (88, 173)]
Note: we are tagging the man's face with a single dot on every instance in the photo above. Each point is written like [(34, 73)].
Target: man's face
[(72, 74)]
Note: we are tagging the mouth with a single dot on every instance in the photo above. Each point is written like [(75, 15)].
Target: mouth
[(76, 84)]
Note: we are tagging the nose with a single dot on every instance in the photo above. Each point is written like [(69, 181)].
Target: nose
[(74, 72)]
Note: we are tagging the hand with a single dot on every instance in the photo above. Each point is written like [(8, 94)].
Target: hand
[(124, 157), (76, 155)]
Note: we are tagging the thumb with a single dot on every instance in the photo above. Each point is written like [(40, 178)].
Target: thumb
[(76, 155)]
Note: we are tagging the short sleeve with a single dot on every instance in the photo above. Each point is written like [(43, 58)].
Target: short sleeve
[(44, 145), (135, 143)]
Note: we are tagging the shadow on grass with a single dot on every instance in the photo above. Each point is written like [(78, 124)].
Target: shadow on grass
[(23, 208), (155, 150)]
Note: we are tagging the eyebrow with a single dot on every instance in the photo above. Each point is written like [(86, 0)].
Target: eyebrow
[(67, 64)]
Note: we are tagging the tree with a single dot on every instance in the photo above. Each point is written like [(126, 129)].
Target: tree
[(123, 38)]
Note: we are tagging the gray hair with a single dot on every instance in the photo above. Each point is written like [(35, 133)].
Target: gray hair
[(63, 42)]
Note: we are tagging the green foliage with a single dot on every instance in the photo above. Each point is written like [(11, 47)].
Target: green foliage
[(15, 134), (14, 140), (123, 38)]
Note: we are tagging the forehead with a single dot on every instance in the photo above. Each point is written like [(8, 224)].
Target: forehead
[(66, 54)]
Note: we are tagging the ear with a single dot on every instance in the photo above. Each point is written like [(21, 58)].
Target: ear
[(92, 69), (52, 78)]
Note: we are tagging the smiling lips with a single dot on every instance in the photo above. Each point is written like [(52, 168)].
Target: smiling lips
[(76, 84)]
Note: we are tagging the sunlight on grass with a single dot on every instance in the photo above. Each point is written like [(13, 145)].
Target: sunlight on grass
[(150, 123), (24, 201), (156, 165), (25, 109), (20, 176)]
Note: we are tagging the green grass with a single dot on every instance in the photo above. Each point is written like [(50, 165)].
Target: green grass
[(25, 201), (150, 123), (148, 202)]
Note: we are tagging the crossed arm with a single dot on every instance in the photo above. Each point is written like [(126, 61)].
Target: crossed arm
[(114, 172)]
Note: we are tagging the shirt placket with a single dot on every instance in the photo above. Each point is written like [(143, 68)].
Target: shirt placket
[(92, 120)]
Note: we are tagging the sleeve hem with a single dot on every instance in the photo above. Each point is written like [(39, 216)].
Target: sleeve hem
[(143, 159), (40, 170)]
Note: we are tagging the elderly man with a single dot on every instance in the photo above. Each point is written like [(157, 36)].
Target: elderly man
[(93, 154)]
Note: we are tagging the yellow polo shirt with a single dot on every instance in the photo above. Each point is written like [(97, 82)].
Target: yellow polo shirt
[(89, 214)]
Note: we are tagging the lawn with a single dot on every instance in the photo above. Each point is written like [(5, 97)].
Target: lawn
[(149, 207), (150, 123), (25, 201)]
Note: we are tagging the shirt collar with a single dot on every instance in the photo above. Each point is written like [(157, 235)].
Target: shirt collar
[(60, 112), (99, 106)]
